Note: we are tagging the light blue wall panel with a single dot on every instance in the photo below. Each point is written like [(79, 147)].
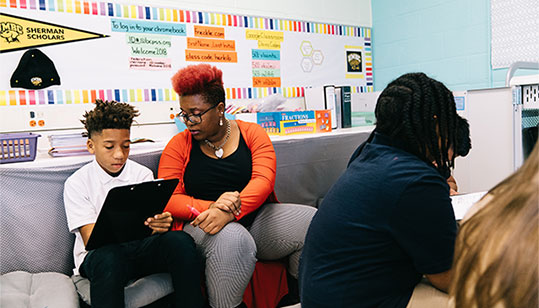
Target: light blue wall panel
[(449, 40)]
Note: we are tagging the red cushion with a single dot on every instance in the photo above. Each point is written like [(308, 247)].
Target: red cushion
[(267, 286)]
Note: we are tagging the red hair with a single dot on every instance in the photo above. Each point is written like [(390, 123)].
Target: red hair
[(197, 79)]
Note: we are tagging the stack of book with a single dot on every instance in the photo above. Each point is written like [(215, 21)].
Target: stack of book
[(336, 99), (68, 144)]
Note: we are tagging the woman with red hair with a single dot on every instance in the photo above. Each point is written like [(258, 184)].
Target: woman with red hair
[(227, 170)]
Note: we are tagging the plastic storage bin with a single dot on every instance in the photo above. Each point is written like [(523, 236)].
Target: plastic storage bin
[(18, 147)]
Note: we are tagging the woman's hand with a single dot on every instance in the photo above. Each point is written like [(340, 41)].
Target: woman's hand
[(160, 223), (212, 220), (229, 202)]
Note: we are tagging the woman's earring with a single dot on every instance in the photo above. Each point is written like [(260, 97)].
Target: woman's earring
[(221, 122)]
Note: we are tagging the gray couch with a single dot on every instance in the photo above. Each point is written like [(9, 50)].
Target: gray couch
[(36, 247)]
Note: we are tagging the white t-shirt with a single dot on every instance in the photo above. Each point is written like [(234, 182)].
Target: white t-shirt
[(84, 194)]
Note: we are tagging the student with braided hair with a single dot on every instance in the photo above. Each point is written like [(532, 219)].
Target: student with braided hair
[(464, 145), (388, 220)]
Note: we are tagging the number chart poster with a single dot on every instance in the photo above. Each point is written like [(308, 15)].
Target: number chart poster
[(72, 52)]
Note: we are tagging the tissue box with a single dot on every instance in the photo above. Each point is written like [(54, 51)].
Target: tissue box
[(284, 123)]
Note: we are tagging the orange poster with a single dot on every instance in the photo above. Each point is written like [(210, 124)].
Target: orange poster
[(262, 82), (210, 56), (210, 44), (213, 32)]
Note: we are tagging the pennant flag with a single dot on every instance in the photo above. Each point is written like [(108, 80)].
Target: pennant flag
[(18, 33)]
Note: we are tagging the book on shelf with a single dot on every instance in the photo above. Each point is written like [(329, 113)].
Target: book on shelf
[(322, 98)]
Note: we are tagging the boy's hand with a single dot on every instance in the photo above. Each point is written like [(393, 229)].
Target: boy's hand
[(212, 220), (160, 223)]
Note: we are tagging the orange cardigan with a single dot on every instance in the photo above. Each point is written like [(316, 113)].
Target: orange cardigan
[(258, 191)]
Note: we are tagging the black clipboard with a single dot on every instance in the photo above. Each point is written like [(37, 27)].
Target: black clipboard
[(126, 208)]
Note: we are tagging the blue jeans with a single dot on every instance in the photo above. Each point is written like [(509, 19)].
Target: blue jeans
[(109, 268)]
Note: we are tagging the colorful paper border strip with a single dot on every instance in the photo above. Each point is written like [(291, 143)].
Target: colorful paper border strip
[(249, 93), (85, 96), (368, 61), (185, 16)]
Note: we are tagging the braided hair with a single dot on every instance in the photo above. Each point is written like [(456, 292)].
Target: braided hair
[(419, 113), (464, 143), (108, 114)]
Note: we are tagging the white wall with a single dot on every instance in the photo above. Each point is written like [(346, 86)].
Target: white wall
[(344, 12)]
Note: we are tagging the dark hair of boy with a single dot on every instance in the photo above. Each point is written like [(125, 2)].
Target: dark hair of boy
[(419, 114), (107, 115)]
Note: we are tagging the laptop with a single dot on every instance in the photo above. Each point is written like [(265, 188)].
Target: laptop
[(126, 208)]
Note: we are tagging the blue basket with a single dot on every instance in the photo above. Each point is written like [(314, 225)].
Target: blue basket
[(18, 147)]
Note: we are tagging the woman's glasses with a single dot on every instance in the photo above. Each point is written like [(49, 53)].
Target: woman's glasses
[(193, 118)]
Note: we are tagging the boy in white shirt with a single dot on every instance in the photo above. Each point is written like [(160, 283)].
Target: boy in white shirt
[(110, 267)]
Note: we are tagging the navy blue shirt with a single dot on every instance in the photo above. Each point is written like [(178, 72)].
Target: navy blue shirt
[(387, 221)]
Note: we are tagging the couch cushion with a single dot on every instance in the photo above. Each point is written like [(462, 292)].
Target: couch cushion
[(138, 293), (26, 290)]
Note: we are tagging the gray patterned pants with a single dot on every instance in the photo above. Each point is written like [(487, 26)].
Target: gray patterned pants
[(278, 231)]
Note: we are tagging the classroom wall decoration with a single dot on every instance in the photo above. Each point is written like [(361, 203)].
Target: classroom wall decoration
[(35, 71), (129, 52), (354, 60), (22, 33)]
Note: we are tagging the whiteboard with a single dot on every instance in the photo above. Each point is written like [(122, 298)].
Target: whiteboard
[(139, 48)]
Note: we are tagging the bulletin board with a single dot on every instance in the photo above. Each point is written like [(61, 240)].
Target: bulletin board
[(514, 32), (129, 52)]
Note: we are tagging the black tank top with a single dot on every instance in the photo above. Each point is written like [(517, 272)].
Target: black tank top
[(208, 178)]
